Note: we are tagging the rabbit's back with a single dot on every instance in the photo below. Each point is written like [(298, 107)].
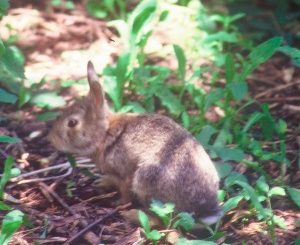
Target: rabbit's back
[(168, 164)]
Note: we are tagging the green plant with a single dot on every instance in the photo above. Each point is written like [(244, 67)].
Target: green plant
[(14, 219), (107, 8)]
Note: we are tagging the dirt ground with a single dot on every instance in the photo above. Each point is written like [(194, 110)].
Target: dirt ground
[(67, 202)]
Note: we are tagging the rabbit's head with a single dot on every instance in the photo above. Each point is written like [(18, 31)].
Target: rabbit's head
[(82, 126)]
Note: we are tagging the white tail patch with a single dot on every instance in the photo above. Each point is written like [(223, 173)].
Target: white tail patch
[(210, 220)]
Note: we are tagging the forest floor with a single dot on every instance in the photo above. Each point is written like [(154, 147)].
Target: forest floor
[(59, 44)]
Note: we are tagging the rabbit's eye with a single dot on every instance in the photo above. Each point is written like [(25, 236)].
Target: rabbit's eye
[(72, 123)]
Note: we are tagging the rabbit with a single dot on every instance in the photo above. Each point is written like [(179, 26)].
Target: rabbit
[(145, 156)]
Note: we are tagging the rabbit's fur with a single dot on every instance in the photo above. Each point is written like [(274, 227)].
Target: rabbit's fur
[(146, 156)]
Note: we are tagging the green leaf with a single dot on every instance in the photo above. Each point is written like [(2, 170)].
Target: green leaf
[(254, 118), (6, 174), (6, 97), (259, 55), (281, 127), (276, 191), (144, 220), (293, 53), (184, 241), (238, 89), (205, 135), (185, 118), (212, 97), (262, 185), (2, 47), (48, 100), (48, 116), (254, 198), (233, 177), (229, 68), (133, 106), (139, 18), (4, 207), (163, 16), (227, 154), (10, 224), (13, 61), (222, 36), (162, 210), (110, 87), (181, 61), (169, 100), (224, 169), (185, 221), (154, 235), (95, 9), (279, 221), (14, 172), (8, 139), (232, 203), (4, 4), (294, 194)]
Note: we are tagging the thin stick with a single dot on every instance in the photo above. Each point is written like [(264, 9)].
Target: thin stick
[(95, 223)]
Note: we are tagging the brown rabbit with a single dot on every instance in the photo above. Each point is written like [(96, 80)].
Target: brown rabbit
[(146, 156)]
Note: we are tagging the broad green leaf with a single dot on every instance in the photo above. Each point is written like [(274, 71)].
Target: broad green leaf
[(229, 68), (227, 154), (14, 172), (205, 135), (253, 197), (164, 15), (254, 118), (110, 87), (222, 138), (294, 194), (224, 169), (185, 118), (162, 210), (184, 241), (2, 47), (10, 224), (8, 139), (144, 220), (185, 221), (4, 4), (293, 53), (4, 207), (221, 194), (222, 36), (181, 61), (48, 116), (262, 185), (276, 191), (238, 89), (233, 177), (6, 174), (13, 61), (264, 51), (154, 235), (6, 97), (169, 100), (259, 55), (281, 127), (232, 203), (139, 18), (212, 97), (279, 221), (133, 106), (48, 100), (95, 9)]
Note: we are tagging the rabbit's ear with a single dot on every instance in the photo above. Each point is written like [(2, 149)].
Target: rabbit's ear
[(96, 92)]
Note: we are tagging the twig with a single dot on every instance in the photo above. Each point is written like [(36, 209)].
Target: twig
[(280, 87), (46, 178), (280, 99), (95, 223)]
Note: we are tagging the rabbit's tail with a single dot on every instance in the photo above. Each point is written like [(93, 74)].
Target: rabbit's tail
[(213, 217)]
